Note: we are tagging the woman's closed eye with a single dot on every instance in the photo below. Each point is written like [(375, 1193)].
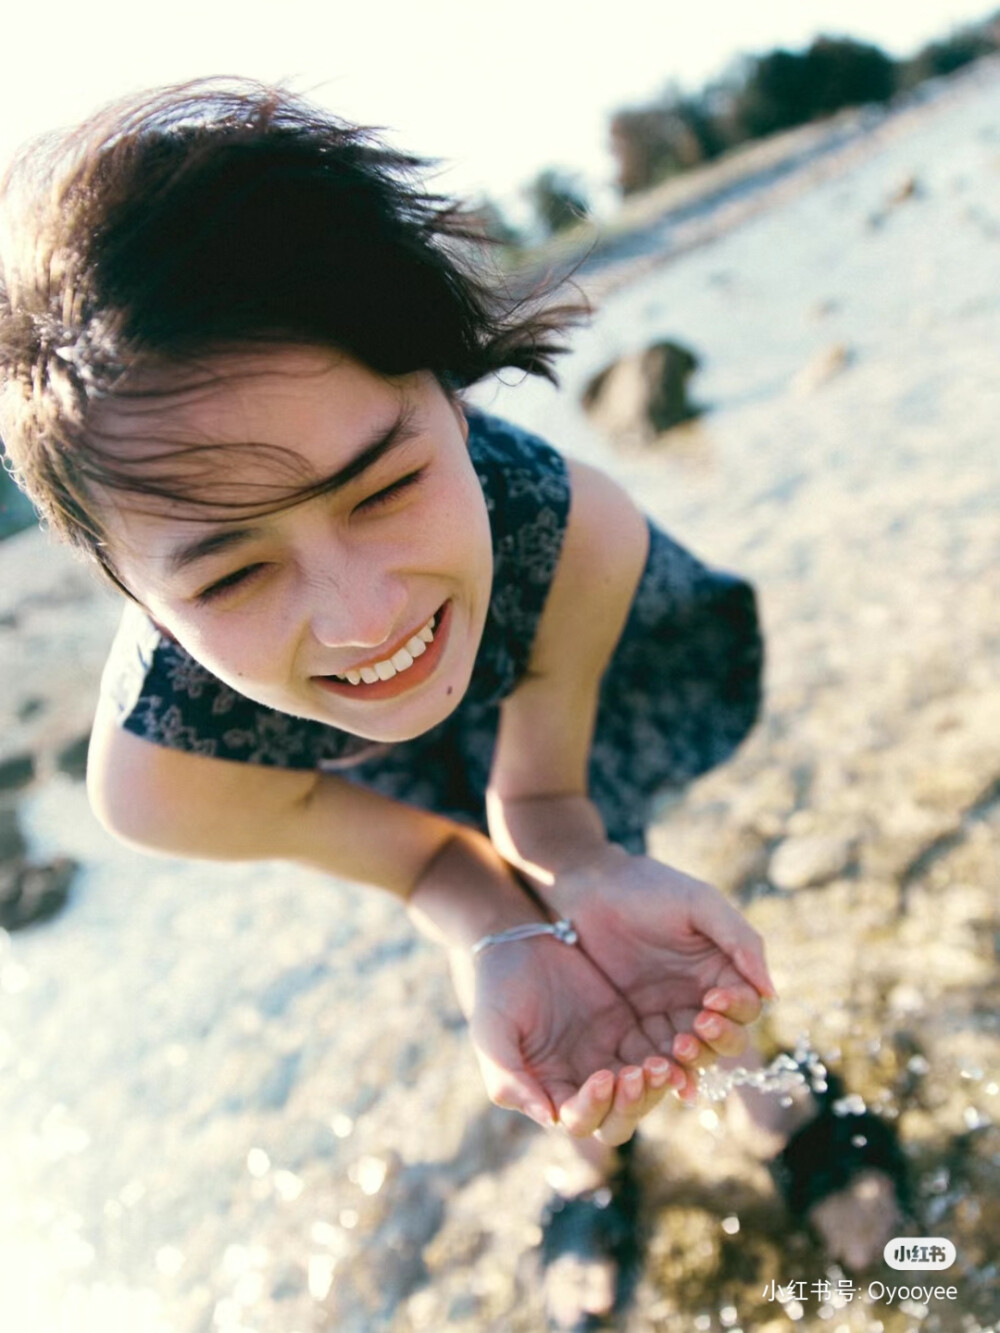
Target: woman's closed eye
[(234, 580), (390, 492), (240, 577)]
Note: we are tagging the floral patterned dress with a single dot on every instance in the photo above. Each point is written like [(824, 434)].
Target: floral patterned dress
[(681, 692)]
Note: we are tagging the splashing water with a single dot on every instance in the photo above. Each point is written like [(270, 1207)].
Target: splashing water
[(786, 1074)]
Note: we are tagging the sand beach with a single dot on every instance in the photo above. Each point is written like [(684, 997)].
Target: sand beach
[(239, 1099)]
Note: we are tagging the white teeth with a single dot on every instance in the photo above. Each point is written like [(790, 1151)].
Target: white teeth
[(401, 660)]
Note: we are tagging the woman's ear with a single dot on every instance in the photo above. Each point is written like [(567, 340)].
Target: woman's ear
[(458, 407)]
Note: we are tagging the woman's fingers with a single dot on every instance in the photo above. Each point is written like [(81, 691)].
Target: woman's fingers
[(739, 1002), (586, 1110), (720, 921), (692, 1053), (720, 1034), (637, 1092)]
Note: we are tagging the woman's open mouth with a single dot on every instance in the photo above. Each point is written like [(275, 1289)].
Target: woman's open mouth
[(407, 666)]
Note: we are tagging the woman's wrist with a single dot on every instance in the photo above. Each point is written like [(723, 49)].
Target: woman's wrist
[(547, 837), (467, 892)]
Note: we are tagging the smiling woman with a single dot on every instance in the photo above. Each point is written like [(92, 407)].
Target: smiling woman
[(388, 536), (371, 629)]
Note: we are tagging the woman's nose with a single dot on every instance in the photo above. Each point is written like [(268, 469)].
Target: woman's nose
[(357, 613)]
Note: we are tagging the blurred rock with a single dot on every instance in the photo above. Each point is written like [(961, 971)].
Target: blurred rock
[(12, 844), (825, 366), (640, 396), (908, 188), (823, 309), (811, 859), (33, 893), (71, 759), (16, 771)]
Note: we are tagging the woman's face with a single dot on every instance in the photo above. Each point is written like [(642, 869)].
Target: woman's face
[(362, 607)]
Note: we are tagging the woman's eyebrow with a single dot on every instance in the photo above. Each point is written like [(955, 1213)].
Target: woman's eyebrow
[(221, 539)]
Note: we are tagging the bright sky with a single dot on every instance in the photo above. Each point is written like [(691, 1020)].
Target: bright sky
[(499, 90)]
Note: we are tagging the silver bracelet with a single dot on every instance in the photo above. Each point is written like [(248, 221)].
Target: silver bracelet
[(564, 931)]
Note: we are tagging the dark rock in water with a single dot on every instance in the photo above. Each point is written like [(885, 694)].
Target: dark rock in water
[(72, 758), (16, 771), (12, 845), (33, 893), (907, 188), (642, 395)]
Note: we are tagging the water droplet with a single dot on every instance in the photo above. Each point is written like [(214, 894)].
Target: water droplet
[(132, 1193), (852, 1104), (169, 1260), (731, 1225), (320, 1275), (368, 1173), (258, 1163), (248, 1288), (288, 1185), (342, 1125)]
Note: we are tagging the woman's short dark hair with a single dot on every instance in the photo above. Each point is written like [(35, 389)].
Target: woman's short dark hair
[(211, 217)]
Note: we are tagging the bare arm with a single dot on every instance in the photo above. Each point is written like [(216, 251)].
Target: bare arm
[(544, 1023), (672, 945), (182, 804), (539, 813)]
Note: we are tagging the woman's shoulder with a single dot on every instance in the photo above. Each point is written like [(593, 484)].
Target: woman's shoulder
[(526, 485), (156, 690), (512, 461)]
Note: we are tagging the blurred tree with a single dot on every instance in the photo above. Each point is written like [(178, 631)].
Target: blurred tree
[(761, 95), (783, 89), (651, 143), (490, 221), (556, 199), (943, 57)]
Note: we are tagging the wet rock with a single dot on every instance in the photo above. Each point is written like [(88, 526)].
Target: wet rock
[(823, 309), (823, 368), (642, 395), (909, 187), (12, 844), (33, 893), (816, 858), (71, 759), (16, 771)]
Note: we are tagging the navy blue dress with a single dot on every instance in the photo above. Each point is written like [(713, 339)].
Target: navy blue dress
[(681, 691)]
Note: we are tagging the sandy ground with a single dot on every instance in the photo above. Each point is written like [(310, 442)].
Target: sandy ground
[(239, 1098)]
